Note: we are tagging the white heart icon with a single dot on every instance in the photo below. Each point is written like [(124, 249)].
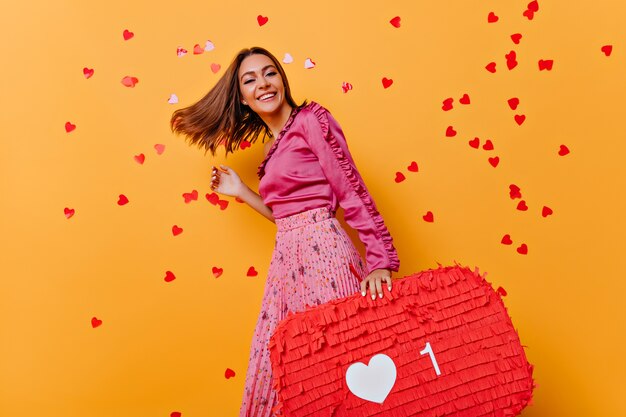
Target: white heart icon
[(288, 59), (372, 382)]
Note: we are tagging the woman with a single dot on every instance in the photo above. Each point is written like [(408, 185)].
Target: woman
[(306, 174)]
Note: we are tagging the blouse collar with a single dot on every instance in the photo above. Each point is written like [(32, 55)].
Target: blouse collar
[(292, 116)]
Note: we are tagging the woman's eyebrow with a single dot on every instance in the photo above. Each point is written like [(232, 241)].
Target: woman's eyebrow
[(262, 69)]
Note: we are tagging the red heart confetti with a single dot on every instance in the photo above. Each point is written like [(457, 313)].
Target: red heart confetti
[(519, 119), (175, 414), (139, 158), (514, 192), (506, 240), (501, 292), (129, 81), (217, 272), (215, 68), (395, 22), (607, 49), (472, 362), (522, 205), (160, 148), (491, 67), (88, 72), (180, 51), (176, 230), (261, 20), (190, 196), (494, 161), (399, 177), (68, 212), (223, 204), (465, 99), (529, 14), (522, 249), (245, 144), (513, 103), (488, 146), (533, 6), (474, 143), (127, 34), (450, 132), (229, 373), (516, 38), (413, 167), (213, 198), (447, 104), (346, 87), (545, 64), (69, 127), (169, 276), (197, 49), (95, 322), (387, 82), (511, 61), (428, 217), (252, 272), (546, 211), (492, 18), (122, 200), (563, 150)]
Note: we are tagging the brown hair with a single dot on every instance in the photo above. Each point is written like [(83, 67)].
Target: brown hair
[(219, 117)]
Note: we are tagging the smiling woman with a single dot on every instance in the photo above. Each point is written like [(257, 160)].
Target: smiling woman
[(231, 112), (307, 173)]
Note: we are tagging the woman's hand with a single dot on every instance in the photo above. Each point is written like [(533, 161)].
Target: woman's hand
[(226, 181), (374, 279)]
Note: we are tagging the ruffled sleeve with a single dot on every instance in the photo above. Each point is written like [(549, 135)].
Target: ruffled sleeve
[(325, 138)]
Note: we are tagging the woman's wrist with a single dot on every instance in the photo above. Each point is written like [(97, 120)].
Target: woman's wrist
[(243, 192)]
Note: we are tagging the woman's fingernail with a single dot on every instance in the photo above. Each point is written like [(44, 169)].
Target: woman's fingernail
[(389, 288), (373, 296), (363, 293), (380, 295)]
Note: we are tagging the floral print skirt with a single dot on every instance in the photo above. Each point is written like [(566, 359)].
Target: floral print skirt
[(314, 261)]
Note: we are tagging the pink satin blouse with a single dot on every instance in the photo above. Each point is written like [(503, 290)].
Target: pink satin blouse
[(309, 166)]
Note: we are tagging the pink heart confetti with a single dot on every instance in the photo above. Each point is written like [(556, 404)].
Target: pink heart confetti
[(160, 148)]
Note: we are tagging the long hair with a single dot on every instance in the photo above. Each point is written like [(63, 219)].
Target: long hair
[(219, 117)]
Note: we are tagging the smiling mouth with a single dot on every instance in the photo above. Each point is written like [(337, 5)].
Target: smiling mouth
[(267, 96)]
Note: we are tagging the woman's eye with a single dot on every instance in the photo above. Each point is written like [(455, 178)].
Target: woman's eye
[(252, 79)]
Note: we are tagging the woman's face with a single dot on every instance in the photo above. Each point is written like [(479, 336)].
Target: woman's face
[(259, 76)]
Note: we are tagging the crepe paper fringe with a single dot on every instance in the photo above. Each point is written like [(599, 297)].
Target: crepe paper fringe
[(484, 370)]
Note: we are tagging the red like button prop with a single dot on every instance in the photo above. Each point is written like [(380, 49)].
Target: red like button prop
[(441, 344)]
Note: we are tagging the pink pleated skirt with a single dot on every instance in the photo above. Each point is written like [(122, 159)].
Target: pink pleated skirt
[(314, 261)]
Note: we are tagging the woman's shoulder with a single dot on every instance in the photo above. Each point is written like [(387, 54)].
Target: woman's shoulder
[(315, 112), (315, 108)]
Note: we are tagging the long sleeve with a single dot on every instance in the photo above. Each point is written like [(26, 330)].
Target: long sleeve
[(326, 139)]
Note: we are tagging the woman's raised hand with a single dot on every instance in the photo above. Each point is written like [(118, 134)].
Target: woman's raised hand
[(226, 181)]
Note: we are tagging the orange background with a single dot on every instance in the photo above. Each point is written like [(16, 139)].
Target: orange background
[(164, 346)]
